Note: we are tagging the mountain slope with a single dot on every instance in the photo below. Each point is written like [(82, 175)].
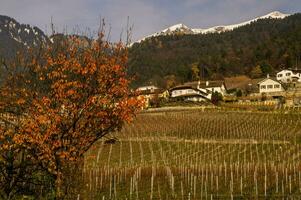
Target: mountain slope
[(15, 36), (270, 43)]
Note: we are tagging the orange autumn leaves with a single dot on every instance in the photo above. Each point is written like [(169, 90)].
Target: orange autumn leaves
[(74, 95)]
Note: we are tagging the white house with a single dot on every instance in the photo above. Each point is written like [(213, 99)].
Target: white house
[(190, 92), (148, 87), (198, 90), (269, 85), (214, 86), (287, 76)]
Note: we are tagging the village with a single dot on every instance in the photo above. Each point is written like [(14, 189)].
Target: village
[(151, 100), (283, 90)]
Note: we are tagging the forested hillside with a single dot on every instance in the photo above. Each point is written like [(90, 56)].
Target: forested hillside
[(262, 47)]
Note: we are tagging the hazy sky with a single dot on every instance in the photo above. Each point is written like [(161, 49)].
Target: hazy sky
[(147, 16)]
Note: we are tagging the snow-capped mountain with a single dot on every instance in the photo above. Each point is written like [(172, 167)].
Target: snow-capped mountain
[(15, 36), (178, 28), (183, 29), (222, 28)]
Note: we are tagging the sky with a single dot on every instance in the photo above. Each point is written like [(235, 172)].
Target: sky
[(145, 16)]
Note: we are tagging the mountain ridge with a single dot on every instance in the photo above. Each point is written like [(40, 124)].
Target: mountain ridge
[(268, 44), (183, 29), (15, 36)]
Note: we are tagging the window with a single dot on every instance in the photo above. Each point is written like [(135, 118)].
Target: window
[(279, 75), (263, 87), (270, 86), (287, 74), (276, 86)]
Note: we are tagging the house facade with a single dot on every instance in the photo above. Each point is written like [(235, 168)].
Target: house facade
[(189, 92), (198, 90), (149, 93), (269, 85), (147, 88), (287, 76), (214, 86)]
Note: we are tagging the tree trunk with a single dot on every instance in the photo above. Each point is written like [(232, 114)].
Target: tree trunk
[(9, 170), (58, 185)]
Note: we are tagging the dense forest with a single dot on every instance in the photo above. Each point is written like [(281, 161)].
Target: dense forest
[(257, 49)]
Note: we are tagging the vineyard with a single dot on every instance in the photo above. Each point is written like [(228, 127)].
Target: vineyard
[(198, 155)]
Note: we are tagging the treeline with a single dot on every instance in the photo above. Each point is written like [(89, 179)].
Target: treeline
[(257, 49)]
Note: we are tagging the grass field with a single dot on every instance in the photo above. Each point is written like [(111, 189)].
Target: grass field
[(199, 154)]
